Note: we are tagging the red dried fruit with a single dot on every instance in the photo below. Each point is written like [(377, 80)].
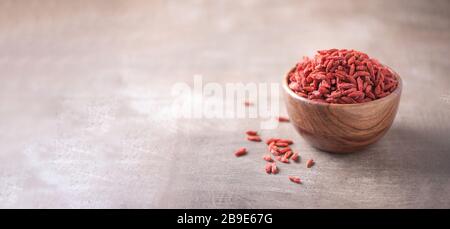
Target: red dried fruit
[(348, 91), (288, 154), (335, 94), (268, 168), (295, 179), (295, 157), (268, 158), (288, 141), (281, 144), (271, 140), (284, 119), (310, 163), (347, 99), (272, 146), (274, 168), (251, 133), (361, 68), (351, 60), (352, 70), (240, 152), (356, 94), (323, 90), (295, 86), (361, 73), (254, 138), (275, 152), (284, 150), (378, 90), (360, 83), (351, 80), (344, 86), (370, 68), (284, 160), (248, 103)]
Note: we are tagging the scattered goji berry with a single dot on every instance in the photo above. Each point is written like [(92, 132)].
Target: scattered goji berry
[(295, 179), (240, 152), (254, 138), (268, 158), (283, 119), (251, 133), (310, 163), (268, 167), (274, 168), (295, 157)]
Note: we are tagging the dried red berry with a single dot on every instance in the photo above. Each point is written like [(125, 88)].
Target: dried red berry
[(288, 154), (268, 168), (254, 138), (274, 168), (283, 119), (310, 163), (284, 160), (270, 140), (268, 158), (275, 152), (272, 145), (281, 144), (295, 157), (287, 141), (240, 152), (251, 133), (284, 150), (295, 179)]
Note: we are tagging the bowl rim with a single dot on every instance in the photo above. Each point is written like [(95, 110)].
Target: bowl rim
[(396, 92)]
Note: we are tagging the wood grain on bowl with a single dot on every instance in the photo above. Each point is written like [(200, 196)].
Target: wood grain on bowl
[(341, 128)]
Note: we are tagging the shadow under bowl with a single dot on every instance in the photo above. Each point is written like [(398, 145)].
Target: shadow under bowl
[(341, 128)]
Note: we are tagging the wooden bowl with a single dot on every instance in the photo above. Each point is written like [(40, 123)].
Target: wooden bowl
[(341, 128)]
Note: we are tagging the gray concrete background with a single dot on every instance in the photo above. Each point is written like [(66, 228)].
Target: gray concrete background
[(84, 104)]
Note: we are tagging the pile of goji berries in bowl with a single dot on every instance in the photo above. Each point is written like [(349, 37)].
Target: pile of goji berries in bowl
[(341, 100)]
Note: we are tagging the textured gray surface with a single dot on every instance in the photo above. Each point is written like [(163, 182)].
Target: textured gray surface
[(84, 107)]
